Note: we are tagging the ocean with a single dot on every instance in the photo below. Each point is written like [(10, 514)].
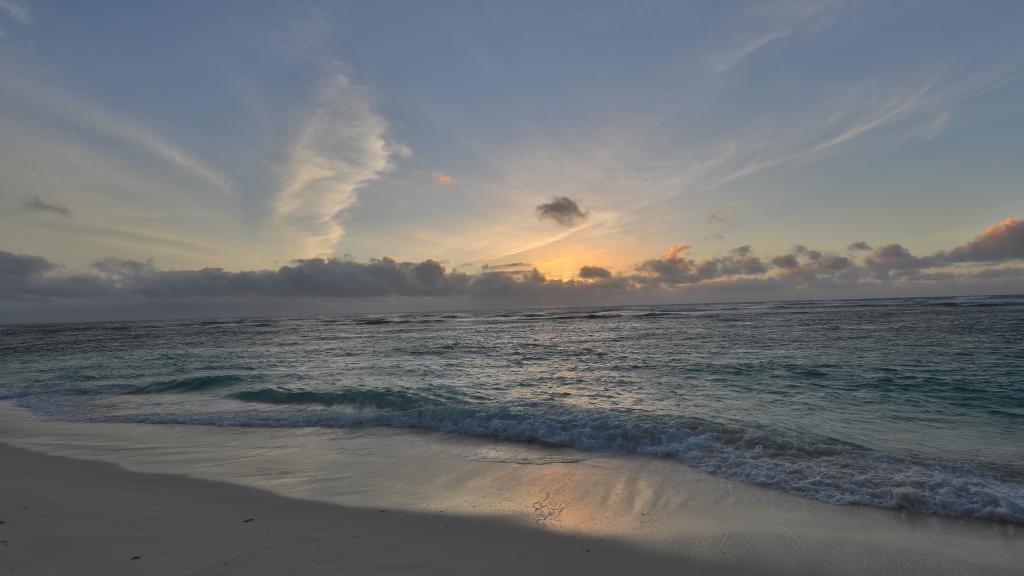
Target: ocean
[(912, 404)]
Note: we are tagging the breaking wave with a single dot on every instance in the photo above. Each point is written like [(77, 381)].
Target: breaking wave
[(822, 468)]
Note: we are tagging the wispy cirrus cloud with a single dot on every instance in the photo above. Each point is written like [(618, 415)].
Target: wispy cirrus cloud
[(808, 140), (341, 146), (16, 10), (58, 103), (898, 107), (39, 205), (728, 62)]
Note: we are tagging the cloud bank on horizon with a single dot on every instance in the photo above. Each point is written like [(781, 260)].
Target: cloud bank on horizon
[(286, 147), (992, 261)]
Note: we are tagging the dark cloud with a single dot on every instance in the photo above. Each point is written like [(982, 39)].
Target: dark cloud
[(814, 261), (31, 286), (806, 252), (860, 246), (998, 243), (562, 210), (895, 260), (594, 273), (19, 266), (835, 263), (27, 278), (118, 268), (806, 269), (341, 278), (508, 284), (787, 262), (31, 278), (314, 278), (37, 204), (1009, 272), (509, 266), (677, 268), (894, 255)]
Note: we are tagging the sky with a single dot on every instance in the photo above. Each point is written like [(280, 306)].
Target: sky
[(194, 158)]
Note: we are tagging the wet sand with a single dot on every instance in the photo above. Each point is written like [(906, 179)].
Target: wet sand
[(196, 500), (67, 516)]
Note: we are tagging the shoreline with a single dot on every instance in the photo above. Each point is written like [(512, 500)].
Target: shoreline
[(64, 516), (656, 515)]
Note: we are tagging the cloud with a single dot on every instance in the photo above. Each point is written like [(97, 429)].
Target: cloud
[(1006, 272), (743, 52), (999, 242), (835, 263), (600, 220), (120, 269), (94, 118), (802, 250), (742, 251), (26, 279), (307, 35), (677, 268), (562, 210), (722, 216), (893, 259), (17, 11), (805, 267), (676, 251), (37, 204), (340, 148), (859, 246), (795, 148), (786, 262), (123, 284), (73, 228), (312, 278), (20, 266), (441, 179), (900, 106), (116, 283), (508, 266), (33, 283), (594, 273), (936, 126), (172, 154)]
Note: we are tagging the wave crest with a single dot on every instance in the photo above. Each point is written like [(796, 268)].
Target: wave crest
[(190, 384)]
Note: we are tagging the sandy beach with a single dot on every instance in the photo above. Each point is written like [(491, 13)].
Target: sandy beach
[(196, 500), (66, 516)]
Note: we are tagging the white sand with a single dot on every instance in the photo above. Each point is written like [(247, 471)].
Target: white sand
[(507, 509)]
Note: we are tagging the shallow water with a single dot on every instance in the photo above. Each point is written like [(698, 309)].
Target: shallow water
[(913, 404)]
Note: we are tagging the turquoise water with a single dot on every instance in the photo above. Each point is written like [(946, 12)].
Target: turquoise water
[(914, 404)]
